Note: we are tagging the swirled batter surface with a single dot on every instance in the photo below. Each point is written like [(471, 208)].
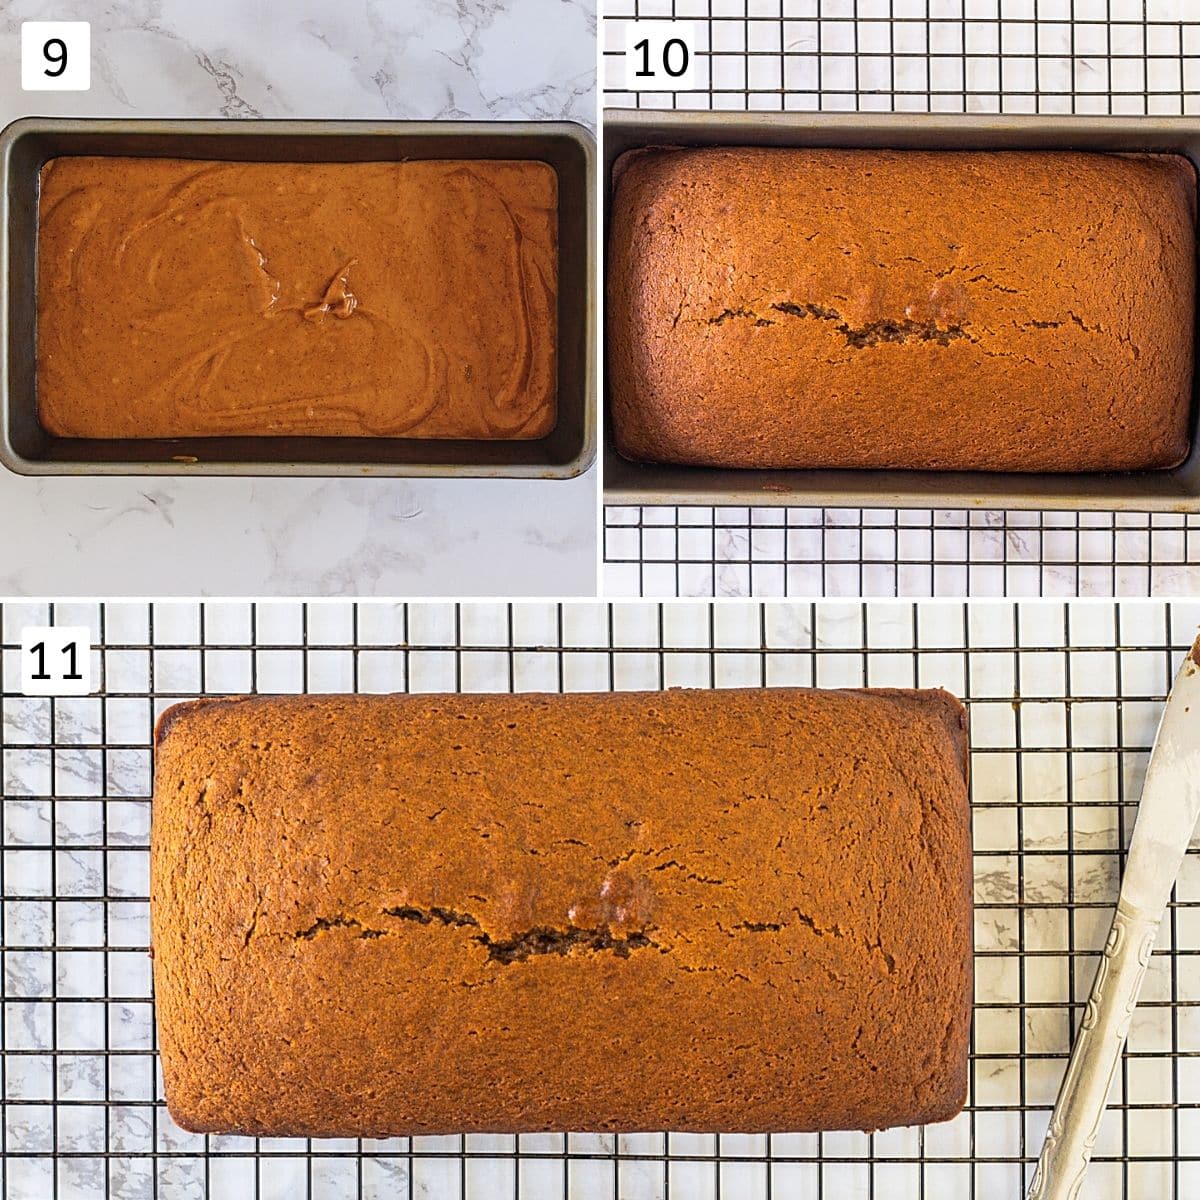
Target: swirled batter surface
[(199, 299)]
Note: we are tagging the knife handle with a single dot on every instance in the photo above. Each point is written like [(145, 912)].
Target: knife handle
[(1094, 1057)]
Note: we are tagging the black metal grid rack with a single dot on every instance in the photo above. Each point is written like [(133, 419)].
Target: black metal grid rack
[(1010, 56), (1064, 700)]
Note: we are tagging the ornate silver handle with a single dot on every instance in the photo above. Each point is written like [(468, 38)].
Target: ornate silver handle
[(1095, 1055)]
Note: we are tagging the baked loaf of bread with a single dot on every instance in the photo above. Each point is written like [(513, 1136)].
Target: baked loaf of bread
[(695, 910), (368, 299), (1000, 311)]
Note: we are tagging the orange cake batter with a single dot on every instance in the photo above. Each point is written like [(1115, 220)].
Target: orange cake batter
[(199, 299)]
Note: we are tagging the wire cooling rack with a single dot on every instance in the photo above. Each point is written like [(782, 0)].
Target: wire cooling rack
[(1064, 701), (985, 56)]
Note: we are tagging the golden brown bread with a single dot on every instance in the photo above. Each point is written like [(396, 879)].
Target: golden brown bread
[(1011, 311), (391, 299), (706, 910)]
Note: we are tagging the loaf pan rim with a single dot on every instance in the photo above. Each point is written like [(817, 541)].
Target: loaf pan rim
[(632, 484), (495, 459)]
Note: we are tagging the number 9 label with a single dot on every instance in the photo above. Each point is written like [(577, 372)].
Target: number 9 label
[(660, 56), (56, 56)]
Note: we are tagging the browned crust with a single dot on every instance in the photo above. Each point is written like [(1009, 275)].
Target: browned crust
[(418, 914), (1013, 311)]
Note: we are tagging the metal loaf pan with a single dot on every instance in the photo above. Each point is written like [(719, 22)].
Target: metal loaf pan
[(25, 447), (631, 483)]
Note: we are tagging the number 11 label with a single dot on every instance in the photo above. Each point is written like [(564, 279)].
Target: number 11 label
[(660, 56), (56, 56), (56, 660)]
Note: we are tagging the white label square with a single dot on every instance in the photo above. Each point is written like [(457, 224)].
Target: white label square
[(660, 56), (56, 660), (56, 56)]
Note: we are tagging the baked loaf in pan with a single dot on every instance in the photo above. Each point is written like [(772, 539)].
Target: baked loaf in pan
[(940, 310), (694, 910), (368, 299)]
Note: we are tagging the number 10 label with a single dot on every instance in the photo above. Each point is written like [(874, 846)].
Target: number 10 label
[(56, 660), (660, 56), (56, 56)]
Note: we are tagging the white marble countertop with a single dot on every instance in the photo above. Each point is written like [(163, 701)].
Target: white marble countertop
[(488, 59)]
